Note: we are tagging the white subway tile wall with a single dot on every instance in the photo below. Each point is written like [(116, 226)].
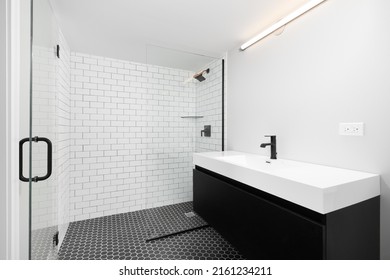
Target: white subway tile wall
[(209, 105), (130, 148)]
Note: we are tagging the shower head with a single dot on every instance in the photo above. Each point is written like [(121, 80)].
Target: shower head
[(199, 75)]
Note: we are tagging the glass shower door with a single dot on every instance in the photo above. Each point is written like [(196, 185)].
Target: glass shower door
[(42, 140)]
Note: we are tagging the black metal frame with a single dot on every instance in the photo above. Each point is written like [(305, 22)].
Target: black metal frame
[(223, 105)]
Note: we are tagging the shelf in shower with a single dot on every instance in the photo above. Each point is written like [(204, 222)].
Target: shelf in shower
[(192, 117)]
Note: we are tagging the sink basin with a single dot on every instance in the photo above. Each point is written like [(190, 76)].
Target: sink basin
[(255, 162), (320, 188)]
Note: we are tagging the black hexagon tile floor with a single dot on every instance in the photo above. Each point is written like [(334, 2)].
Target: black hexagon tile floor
[(125, 237)]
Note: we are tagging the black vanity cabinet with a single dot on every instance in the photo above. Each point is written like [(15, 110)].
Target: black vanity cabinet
[(263, 226)]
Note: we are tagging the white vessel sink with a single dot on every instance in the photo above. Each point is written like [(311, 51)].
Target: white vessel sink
[(320, 188)]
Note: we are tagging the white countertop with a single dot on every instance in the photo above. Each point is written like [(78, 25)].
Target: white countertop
[(320, 188)]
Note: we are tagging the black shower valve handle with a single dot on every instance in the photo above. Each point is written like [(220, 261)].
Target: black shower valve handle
[(206, 132)]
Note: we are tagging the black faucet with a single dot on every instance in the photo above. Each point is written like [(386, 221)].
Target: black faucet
[(272, 144)]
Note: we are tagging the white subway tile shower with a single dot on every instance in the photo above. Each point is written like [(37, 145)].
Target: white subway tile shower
[(120, 142), (130, 147)]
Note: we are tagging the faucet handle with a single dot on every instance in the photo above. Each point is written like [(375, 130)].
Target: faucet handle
[(269, 135)]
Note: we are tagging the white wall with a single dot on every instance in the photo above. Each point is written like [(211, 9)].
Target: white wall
[(331, 65), (3, 126)]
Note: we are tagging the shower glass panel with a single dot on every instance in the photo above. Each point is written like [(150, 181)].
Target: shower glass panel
[(188, 106), (207, 104), (43, 148)]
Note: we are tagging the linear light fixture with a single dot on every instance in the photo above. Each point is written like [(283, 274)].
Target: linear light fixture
[(308, 6)]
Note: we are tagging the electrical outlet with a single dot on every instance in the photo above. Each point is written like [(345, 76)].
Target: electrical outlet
[(351, 129)]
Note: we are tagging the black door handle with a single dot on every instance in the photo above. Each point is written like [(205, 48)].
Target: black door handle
[(49, 159), (21, 177)]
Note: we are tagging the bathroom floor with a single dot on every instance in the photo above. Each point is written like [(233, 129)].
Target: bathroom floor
[(131, 236), (42, 244)]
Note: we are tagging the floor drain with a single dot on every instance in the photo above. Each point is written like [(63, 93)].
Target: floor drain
[(190, 214)]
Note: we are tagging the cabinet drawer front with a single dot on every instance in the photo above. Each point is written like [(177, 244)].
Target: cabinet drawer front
[(258, 228)]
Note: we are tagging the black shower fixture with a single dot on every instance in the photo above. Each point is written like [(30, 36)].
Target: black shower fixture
[(199, 75)]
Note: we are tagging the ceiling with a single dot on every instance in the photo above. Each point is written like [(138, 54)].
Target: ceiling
[(137, 30)]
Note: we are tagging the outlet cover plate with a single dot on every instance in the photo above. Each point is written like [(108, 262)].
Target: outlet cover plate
[(351, 129)]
